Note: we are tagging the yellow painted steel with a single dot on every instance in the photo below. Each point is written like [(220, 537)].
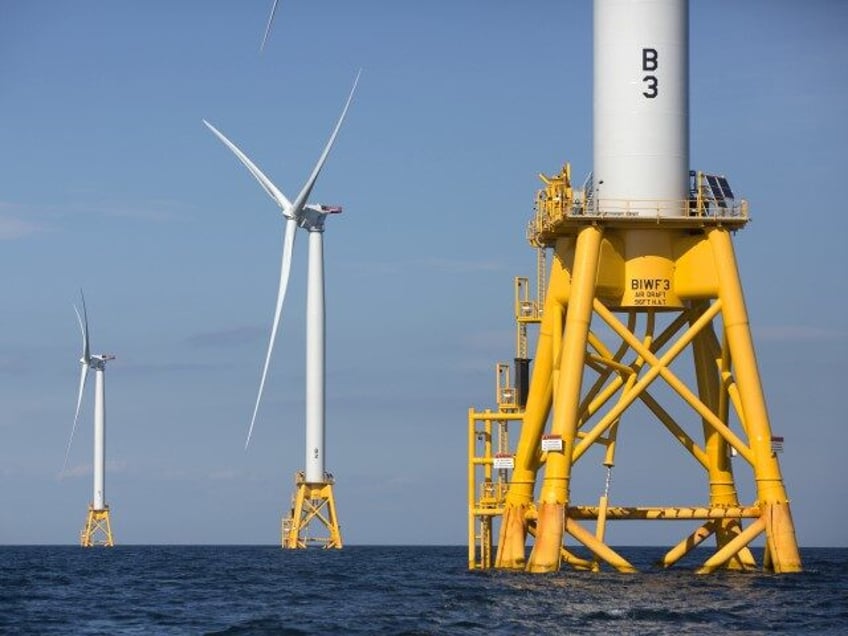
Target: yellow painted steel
[(780, 531), (312, 504), (519, 499), (487, 485), (504, 390), (720, 470), (678, 277), (733, 547), (97, 530), (668, 513), (598, 548), (687, 544), (545, 556), (660, 367)]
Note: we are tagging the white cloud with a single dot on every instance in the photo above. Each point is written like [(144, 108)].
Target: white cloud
[(156, 210), (15, 218), (12, 228)]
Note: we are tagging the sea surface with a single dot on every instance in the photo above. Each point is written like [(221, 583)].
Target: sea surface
[(397, 590)]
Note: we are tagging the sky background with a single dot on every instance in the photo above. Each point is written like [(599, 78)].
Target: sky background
[(110, 182)]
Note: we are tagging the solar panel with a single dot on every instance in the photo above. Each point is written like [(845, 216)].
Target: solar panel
[(725, 188), (715, 188)]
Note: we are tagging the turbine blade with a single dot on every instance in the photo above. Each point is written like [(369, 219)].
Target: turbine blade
[(300, 201), (285, 271), (264, 181), (83, 325), (268, 28), (83, 376)]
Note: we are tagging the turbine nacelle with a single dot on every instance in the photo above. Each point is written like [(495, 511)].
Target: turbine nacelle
[(324, 209), (98, 361), (313, 215)]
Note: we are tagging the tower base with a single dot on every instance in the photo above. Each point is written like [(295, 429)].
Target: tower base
[(97, 529), (312, 502), (632, 304)]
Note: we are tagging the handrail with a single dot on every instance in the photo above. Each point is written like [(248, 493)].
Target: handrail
[(558, 202)]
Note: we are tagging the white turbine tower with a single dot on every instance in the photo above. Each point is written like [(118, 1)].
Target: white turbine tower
[(314, 486), (97, 529)]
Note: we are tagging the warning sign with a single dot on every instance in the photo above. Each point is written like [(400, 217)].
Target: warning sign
[(551, 442), (503, 461)]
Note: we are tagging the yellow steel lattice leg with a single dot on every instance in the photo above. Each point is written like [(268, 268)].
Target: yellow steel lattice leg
[(545, 556), (781, 544), (511, 552), (722, 484), (314, 505), (97, 529)]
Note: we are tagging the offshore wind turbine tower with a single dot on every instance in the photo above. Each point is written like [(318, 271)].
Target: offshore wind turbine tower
[(98, 528), (314, 499), (643, 289)]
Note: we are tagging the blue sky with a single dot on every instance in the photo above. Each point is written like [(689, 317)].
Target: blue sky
[(110, 182)]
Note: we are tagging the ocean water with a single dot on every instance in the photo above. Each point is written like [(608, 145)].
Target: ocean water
[(397, 590)]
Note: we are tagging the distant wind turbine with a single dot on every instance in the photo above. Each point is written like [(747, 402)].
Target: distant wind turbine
[(310, 217), (98, 512)]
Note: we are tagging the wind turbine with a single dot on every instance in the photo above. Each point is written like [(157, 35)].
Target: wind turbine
[(314, 485), (97, 529)]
